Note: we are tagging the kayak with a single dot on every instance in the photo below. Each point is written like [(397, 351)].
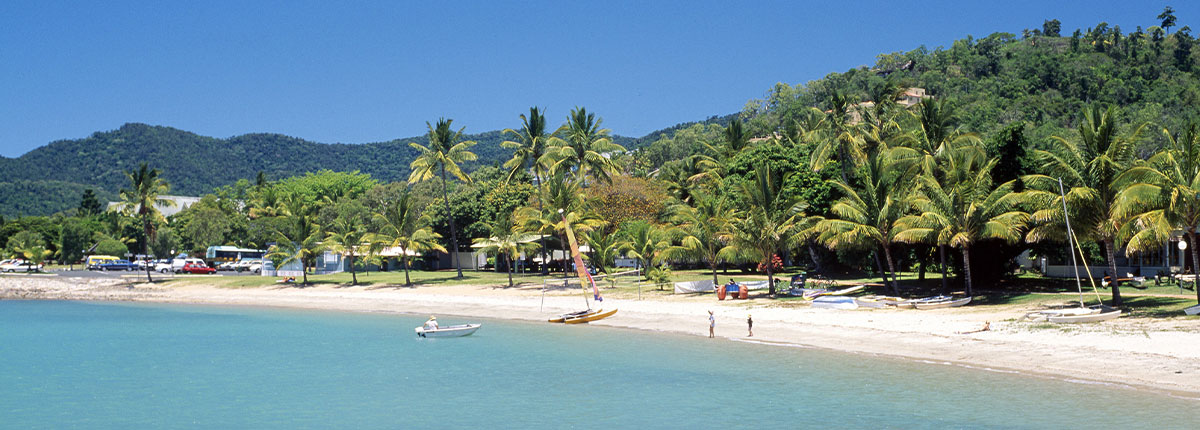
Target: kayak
[(448, 331)]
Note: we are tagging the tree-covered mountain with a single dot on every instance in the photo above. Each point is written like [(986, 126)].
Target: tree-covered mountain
[(52, 178)]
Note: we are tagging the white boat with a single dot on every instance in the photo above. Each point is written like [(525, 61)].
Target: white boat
[(448, 331), (948, 302), (882, 302), (810, 293), (848, 290), (1075, 315), (834, 302), (1194, 310)]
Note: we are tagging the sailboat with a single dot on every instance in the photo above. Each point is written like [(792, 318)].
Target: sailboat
[(1082, 314), (585, 280)]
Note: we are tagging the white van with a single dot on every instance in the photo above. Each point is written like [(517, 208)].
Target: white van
[(176, 264)]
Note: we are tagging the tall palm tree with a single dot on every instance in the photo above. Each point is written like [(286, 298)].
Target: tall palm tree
[(1162, 196), (445, 151), (348, 236), (714, 167), (606, 247), (141, 199), (530, 151), (774, 222), (962, 209), (698, 230), (562, 192), (839, 142), (300, 240), (400, 227), (865, 215), (1090, 168), (933, 136), (585, 147)]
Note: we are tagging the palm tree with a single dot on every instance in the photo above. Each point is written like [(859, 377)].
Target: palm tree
[(964, 210), (585, 147), (932, 138), (1090, 169), (840, 142), (348, 236), (646, 243), (714, 167), (606, 247), (529, 151), (446, 150), (141, 200), (561, 193), (774, 222), (300, 240), (1163, 195), (698, 230), (400, 227), (506, 241), (865, 215)]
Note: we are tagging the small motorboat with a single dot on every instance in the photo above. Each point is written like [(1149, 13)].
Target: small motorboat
[(834, 302), (939, 302), (448, 331)]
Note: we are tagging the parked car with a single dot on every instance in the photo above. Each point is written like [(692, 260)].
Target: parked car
[(163, 266), (249, 264), (201, 269), (19, 265), (177, 264), (116, 265), (228, 265)]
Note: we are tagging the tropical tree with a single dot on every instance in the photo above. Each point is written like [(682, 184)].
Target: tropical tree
[(300, 240), (562, 193), (584, 146), (141, 200), (348, 236), (1089, 168), (646, 243), (445, 151), (715, 167), (932, 136), (506, 242), (774, 222), (28, 245), (698, 230), (530, 152), (963, 209), (606, 247), (839, 143), (1162, 196), (865, 216), (400, 227)]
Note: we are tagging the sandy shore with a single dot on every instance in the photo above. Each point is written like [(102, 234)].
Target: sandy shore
[(1156, 354)]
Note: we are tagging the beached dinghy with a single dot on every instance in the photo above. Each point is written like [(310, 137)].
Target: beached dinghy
[(834, 302), (564, 317), (1194, 310), (589, 318), (811, 293), (881, 302), (1075, 315), (940, 302), (448, 331)]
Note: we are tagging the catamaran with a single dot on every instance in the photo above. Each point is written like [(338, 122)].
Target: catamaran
[(1082, 314), (585, 280)]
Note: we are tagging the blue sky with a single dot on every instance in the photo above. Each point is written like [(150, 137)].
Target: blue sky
[(357, 72)]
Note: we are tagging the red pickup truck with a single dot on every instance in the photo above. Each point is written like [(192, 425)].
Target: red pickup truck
[(198, 269)]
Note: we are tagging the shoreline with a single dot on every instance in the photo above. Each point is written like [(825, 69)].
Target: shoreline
[(1161, 356)]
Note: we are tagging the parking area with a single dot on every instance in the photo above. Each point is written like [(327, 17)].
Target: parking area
[(91, 274)]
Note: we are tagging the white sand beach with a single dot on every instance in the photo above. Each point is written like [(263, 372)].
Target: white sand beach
[(1155, 354)]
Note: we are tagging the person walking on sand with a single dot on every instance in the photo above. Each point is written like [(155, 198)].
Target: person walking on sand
[(750, 325), (712, 323)]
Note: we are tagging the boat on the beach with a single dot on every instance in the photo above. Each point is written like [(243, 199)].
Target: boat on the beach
[(563, 317), (834, 302), (938, 302), (1075, 315), (448, 331), (811, 293), (599, 315), (1194, 310), (882, 302)]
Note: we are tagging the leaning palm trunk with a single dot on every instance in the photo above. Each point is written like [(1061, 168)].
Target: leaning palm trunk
[(887, 255), (1195, 260), (453, 232), (1112, 270)]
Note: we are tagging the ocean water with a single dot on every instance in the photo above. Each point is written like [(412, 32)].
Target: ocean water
[(123, 366)]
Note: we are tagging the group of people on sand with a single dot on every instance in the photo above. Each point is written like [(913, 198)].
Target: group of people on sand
[(712, 325)]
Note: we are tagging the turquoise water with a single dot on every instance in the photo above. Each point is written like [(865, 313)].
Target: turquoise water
[(95, 366)]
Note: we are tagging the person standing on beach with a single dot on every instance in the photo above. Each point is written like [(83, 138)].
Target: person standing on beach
[(750, 325), (712, 323)]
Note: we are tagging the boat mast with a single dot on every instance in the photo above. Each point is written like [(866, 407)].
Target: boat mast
[(1071, 243)]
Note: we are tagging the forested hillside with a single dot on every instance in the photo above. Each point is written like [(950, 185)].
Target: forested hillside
[(52, 178)]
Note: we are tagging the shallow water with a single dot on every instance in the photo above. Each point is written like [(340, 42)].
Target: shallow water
[(103, 365)]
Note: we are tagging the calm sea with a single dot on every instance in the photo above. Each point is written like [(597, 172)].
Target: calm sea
[(126, 366)]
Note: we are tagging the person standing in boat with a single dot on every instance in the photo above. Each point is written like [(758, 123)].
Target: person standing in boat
[(432, 323), (712, 323)]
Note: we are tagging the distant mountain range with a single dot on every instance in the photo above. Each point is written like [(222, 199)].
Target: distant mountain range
[(52, 178)]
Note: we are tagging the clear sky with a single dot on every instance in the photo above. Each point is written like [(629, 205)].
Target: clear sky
[(366, 71)]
